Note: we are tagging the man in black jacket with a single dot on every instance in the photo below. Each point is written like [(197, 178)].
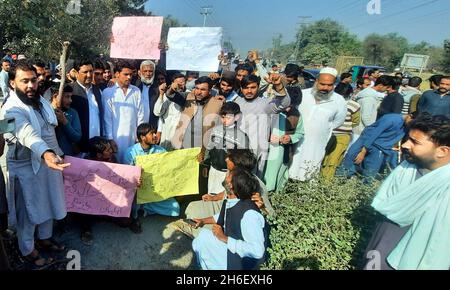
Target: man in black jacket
[(239, 236), (149, 91), (86, 100), (393, 102)]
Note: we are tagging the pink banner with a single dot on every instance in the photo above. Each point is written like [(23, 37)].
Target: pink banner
[(136, 37), (100, 188)]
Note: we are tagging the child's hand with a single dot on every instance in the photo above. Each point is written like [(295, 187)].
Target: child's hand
[(257, 199), (162, 89), (140, 181), (199, 223), (218, 232), (210, 197), (207, 197), (201, 157), (61, 117)]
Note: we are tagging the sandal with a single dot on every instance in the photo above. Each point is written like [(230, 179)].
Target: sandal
[(50, 245), (86, 238), (36, 261)]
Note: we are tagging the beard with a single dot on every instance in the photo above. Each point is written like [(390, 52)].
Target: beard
[(222, 93), (321, 95), (443, 91), (23, 96), (147, 81), (419, 162), (200, 100)]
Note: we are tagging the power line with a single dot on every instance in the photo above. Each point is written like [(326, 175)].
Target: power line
[(191, 6), (395, 14), (347, 6), (386, 6), (425, 17), (214, 20), (319, 11)]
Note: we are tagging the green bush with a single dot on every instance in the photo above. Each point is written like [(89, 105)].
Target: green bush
[(321, 225)]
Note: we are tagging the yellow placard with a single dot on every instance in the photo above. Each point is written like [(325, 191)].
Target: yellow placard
[(168, 174)]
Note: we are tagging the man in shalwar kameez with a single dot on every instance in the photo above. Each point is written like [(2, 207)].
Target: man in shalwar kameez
[(36, 189), (124, 110), (414, 200), (322, 111)]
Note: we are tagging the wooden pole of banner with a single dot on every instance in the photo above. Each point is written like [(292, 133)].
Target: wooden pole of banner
[(62, 63)]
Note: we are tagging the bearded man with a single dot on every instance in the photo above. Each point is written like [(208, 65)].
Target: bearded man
[(414, 233), (149, 91), (436, 102), (322, 111), (36, 189)]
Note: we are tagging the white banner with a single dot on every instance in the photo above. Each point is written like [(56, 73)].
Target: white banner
[(194, 48)]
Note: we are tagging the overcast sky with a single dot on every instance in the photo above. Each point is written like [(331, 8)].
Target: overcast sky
[(253, 23)]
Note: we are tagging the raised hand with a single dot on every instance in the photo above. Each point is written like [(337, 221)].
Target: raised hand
[(61, 117), (162, 89)]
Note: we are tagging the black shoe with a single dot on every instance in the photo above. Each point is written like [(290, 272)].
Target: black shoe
[(136, 226)]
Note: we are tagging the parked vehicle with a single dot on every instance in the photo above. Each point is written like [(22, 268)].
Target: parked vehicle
[(363, 70), (310, 76)]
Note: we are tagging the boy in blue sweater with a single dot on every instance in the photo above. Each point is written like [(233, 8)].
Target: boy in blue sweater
[(68, 131), (146, 135)]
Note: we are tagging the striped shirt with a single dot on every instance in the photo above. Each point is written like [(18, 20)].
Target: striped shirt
[(351, 119)]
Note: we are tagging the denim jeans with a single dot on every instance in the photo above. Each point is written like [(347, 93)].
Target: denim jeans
[(370, 167)]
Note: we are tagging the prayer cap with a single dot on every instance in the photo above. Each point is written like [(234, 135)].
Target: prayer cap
[(330, 71)]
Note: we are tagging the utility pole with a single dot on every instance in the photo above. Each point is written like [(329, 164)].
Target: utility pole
[(303, 23), (375, 54), (206, 10)]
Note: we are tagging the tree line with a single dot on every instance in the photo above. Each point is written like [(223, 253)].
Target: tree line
[(325, 40)]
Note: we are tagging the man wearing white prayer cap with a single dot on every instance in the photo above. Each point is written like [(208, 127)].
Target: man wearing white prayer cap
[(322, 111)]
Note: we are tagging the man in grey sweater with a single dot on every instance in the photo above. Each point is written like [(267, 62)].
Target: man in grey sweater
[(258, 112), (370, 99)]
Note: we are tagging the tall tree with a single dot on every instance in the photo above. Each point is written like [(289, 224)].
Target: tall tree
[(385, 50), (420, 48), (446, 56), (436, 63), (399, 46), (317, 54), (38, 27), (169, 21), (330, 34)]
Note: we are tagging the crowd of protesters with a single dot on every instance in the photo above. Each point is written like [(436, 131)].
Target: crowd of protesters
[(257, 127)]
